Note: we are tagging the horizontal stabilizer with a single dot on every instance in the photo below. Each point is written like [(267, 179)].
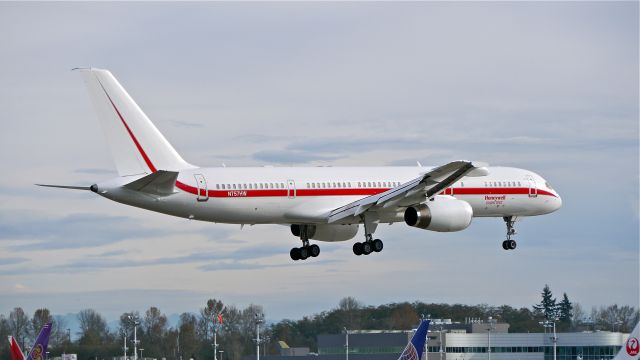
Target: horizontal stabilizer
[(66, 187), (161, 183)]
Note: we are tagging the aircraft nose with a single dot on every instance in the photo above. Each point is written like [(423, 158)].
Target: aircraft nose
[(557, 202)]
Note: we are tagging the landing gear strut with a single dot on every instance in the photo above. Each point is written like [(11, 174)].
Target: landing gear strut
[(306, 251), (369, 245), (509, 244)]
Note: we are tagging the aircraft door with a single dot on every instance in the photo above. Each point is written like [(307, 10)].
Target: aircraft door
[(533, 190), (201, 183), (291, 189)]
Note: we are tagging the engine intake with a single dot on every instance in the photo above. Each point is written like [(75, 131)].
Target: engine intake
[(444, 214)]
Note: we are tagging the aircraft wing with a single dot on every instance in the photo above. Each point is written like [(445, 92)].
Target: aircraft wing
[(409, 193)]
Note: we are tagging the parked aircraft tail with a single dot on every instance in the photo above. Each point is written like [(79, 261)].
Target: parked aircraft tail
[(137, 146), (415, 347), (39, 349), (16, 352), (631, 348)]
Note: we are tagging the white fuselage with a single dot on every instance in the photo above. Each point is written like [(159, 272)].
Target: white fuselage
[(290, 195)]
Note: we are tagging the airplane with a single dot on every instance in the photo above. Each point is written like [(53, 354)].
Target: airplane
[(631, 348), (39, 349), (415, 347), (317, 203)]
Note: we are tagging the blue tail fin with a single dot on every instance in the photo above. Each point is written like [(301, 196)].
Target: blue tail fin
[(415, 347), (39, 349)]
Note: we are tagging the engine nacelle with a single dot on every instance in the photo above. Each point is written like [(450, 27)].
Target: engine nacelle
[(326, 232), (444, 214)]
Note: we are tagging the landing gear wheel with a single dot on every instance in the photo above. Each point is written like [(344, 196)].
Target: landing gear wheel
[(504, 245), (314, 250), (367, 248), (295, 254), (511, 244), (357, 248), (377, 245), (304, 252)]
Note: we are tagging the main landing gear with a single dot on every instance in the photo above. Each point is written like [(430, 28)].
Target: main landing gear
[(509, 244), (306, 251), (369, 245)]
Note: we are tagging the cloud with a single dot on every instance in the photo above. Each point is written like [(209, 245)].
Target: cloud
[(70, 232), (292, 156), (184, 124), (12, 260), (97, 171)]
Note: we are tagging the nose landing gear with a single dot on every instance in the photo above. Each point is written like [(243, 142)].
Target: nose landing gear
[(509, 244)]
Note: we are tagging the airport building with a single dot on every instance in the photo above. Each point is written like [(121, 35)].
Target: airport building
[(469, 341)]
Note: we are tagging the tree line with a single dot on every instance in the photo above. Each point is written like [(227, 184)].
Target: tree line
[(192, 337)]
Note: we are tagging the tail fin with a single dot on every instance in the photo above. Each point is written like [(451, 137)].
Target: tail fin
[(16, 352), (415, 347), (136, 144), (631, 348), (39, 349)]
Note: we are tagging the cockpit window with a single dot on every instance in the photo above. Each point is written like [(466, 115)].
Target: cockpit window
[(548, 185)]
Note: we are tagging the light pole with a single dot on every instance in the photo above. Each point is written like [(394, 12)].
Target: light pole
[(258, 322), (554, 338), (221, 352), (141, 353), (135, 336), (491, 327), (216, 326), (426, 343), (124, 335), (346, 343), (440, 341)]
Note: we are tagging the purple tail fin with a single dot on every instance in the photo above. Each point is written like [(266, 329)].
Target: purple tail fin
[(39, 349), (415, 347)]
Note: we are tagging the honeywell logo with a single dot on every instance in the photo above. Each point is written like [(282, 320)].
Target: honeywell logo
[(495, 197)]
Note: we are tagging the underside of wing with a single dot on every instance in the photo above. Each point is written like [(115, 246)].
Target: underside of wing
[(409, 193)]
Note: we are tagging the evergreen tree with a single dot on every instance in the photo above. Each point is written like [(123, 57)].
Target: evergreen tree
[(565, 309), (548, 307)]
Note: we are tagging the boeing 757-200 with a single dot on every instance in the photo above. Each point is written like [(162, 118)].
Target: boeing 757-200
[(317, 203)]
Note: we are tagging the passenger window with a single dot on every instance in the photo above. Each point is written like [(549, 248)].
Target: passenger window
[(359, 184), (217, 186), (222, 186)]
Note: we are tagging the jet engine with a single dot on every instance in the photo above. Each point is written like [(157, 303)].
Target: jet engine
[(327, 232), (443, 214)]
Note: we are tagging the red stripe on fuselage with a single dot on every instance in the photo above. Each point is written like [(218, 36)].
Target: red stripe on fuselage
[(239, 193)]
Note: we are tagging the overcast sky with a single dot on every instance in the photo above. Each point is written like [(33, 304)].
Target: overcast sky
[(550, 87)]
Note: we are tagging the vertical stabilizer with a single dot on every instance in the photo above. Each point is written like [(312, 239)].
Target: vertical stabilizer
[(415, 347), (16, 352), (137, 146), (39, 349), (631, 347)]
